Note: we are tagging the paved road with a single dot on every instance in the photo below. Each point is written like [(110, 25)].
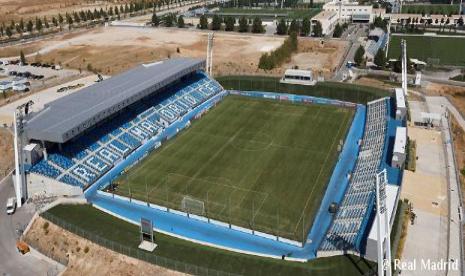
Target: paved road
[(11, 261), (353, 40)]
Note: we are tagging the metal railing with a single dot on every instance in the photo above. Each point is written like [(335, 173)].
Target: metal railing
[(134, 252)]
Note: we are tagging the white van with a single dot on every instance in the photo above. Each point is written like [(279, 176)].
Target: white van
[(10, 205)]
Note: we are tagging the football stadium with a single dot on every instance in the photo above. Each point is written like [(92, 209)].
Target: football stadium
[(270, 174)]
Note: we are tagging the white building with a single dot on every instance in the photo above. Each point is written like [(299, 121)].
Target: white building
[(327, 19), (294, 76), (351, 11), (400, 144), (401, 108)]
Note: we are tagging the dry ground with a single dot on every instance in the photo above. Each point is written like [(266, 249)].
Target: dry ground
[(6, 152), (456, 94), (115, 49), (459, 145), (16, 9), (85, 257)]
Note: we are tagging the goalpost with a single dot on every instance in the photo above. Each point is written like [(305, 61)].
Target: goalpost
[(193, 206)]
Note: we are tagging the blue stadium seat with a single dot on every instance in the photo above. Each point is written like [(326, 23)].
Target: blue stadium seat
[(45, 169), (60, 160)]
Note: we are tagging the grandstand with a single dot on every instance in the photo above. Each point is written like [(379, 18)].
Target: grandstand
[(355, 209), (92, 138)]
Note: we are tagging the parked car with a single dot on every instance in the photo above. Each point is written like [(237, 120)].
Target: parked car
[(11, 205), (20, 88)]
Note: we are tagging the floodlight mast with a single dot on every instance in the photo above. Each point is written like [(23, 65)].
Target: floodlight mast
[(19, 115), (209, 63), (384, 263)]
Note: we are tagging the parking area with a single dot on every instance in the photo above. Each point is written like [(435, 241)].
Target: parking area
[(45, 96), (16, 78)]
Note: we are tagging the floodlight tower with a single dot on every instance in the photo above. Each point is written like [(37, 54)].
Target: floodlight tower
[(403, 45), (210, 54), (19, 115), (384, 263)]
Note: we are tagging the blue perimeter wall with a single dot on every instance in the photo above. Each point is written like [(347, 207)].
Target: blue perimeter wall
[(222, 237)]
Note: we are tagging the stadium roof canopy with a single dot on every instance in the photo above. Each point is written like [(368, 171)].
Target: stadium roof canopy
[(67, 117)]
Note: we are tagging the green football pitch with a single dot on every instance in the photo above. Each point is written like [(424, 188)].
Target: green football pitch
[(433, 50), (254, 163)]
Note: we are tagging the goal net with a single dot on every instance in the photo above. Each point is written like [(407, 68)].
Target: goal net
[(192, 205)]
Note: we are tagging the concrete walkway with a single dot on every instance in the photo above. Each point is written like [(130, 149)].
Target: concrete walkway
[(455, 249)]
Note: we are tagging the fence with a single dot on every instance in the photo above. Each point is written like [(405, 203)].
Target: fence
[(134, 252), (333, 90)]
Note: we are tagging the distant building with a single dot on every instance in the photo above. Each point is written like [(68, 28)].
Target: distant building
[(327, 19), (345, 11), (350, 11), (377, 39)]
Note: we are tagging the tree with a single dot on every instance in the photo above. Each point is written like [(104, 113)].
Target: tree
[(243, 25), (257, 26), (318, 30), (203, 24), (46, 23), (60, 19), (180, 22), (38, 25), (294, 27), (305, 30), (281, 29), (8, 32), (2, 30), (155, 20), (359, 55), (29, 26), (55, 21), (216, 23), (22, 58), (337, 31), (380, 58), (229, 23)]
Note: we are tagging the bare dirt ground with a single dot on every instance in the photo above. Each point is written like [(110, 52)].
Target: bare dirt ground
[(323, 59), (458, 135), (6, 152), (16, 9), (85, 257), (455, 94), (112, 50)]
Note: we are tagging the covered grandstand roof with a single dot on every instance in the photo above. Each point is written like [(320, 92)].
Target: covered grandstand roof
[(67, 117)]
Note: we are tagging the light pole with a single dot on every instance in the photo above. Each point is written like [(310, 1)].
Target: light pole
[(19, 115)]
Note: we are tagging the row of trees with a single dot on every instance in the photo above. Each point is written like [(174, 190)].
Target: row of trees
[(302, 28), (77, 17), (280, 55), (254, 25), (168, 20)]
